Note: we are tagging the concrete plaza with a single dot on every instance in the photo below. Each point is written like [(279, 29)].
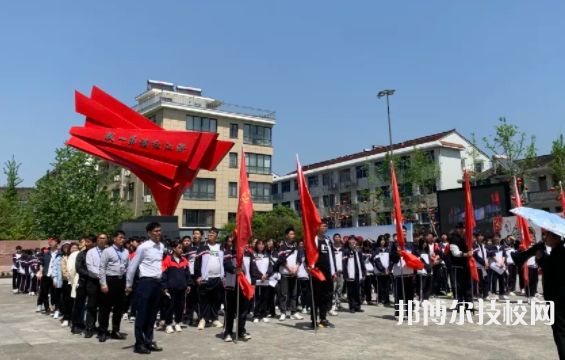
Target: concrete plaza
[(374, 334)]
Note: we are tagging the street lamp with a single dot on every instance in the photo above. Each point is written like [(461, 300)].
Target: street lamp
[(387, 93)]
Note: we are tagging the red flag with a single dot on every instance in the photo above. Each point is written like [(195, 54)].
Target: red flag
[(562, 196), (243, 232), (310, 221), (470, 225), (522, 229), (411, 261)]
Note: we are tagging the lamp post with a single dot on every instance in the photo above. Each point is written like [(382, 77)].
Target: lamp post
[(387, 93)]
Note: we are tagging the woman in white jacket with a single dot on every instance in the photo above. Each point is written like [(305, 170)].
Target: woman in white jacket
[(72, 280)]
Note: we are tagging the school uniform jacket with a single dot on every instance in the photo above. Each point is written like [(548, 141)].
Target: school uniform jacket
[(176, 275), (353, 264), (493, 250), (229, 265), (394, 257), (288, 254), (261, 265), (190, 254), (201, 262), (377, 260), (16, 258), (331, 251)]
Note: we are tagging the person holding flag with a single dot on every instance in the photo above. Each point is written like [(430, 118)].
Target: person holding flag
[(320, 254), (460, 253)]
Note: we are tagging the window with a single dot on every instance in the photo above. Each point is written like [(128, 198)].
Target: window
[(385, 191), (329, 201), (232, 189), (345, 198), (233, 131), (426, 216), (316, 201), (404, 163), (463, 164), (153, 119), (344, 175), (275, 189), (256, 135), (405, 189), (312, 181), (116, 193), (363, 195), (285, 186), (258, 164), (431, 155), (232, 217), (381, 169), (260, 192), (479, 167), (233, 160), (297, 207), (427, 189), (347, 222), (197, 218), (361, 172), (201, 189), (286, 204), (131, 190), (146, 190), (364, 220), (542, 183), (203, 124), (387, 218), (327, 179), (295, 184)]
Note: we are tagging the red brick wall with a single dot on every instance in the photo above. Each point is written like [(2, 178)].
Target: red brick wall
[(7, 248)]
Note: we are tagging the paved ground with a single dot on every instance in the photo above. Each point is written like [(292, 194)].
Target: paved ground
[(371, 335)]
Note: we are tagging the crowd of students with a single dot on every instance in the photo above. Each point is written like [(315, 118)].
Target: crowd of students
[(192, 280)]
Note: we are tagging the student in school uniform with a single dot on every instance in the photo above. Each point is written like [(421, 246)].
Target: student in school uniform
[(369, 282), (337, 297), (192, 304), (288, 268), (402, 275), (23, 268), (261, 271), (16, 277), (424, 276), (176, 282), (209, 273), (436, 256), (460, 254), (512, 273), (305, 293), (497, 258), (381, 261), (232, 271), (274, 280), (533, 268), (354, 273), (480, 255), (33, 269)]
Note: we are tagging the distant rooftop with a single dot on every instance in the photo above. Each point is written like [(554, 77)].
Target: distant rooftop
[(160, 93)]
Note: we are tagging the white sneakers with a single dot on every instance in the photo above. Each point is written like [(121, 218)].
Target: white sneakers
[(217, 324), (56, 315), (201, 324), (255, 320), (228, 338), (505, 297), (333, 312), (265, 320), (297, 316), (132, 319), (169, 329), (125, 317), (65, 323), (39, 308), (15, 291), (305, 311), (283, 317), (512, 293), (178, 328)]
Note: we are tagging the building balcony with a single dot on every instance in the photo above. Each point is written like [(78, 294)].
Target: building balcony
[(261, 198), (199, 103), (277, 197), (542, 196), (199, 196)]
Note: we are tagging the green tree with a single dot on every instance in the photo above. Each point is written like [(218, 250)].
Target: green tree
[(473, 152), (558, 164), (516, 156), (16, 218), (271, 225), (72, 200)]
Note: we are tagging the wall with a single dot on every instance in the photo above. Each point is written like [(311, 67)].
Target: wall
[(450, 165), (7, 248)]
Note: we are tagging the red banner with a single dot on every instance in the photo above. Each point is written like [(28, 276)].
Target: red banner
[(243, 232), (470, 225)]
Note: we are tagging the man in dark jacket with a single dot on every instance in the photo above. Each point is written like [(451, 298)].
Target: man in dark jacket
[(459, 253), (80, 299), (553, 266), (354, 272)]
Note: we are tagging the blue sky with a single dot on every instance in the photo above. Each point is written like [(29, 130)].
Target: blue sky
[(318, 64)]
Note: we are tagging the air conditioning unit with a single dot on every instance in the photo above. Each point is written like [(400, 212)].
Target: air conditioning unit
[(117, 178), (147, 199), (127, 173)]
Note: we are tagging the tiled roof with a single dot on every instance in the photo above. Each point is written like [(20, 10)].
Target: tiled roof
[(380, 150), (539, 161)]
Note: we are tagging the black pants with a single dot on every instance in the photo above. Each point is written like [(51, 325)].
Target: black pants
[(558, 328), (33, 285), (261, 301), (398, 294), (192, 302), (424, 287), (323, 291), (533, 278), (231, 305), (67, 301), (289, 290), (176, 305), (463, 285), (367, 283), (46, 290), (353, 293), (16, 278), (383, 289), (451, 280), (112, 302), (93, 295), (511, 280), (497, 279), (211, 297), (521, 279), (78, 306), (149, 296), (437, 274), (24, 283), (305, 293), (271, 292), (483, 283)]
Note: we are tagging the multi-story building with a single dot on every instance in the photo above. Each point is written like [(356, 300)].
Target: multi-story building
[(346, 179), (212, 198)]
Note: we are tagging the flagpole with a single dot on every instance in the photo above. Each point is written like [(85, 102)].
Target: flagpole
[(237, 309), (381, 94)]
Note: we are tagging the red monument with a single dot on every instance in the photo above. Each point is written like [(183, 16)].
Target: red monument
[(166, 161)]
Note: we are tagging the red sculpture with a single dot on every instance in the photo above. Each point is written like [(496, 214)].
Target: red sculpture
[(166, 161)]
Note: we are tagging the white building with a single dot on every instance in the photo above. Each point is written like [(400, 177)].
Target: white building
[(344, 179)]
